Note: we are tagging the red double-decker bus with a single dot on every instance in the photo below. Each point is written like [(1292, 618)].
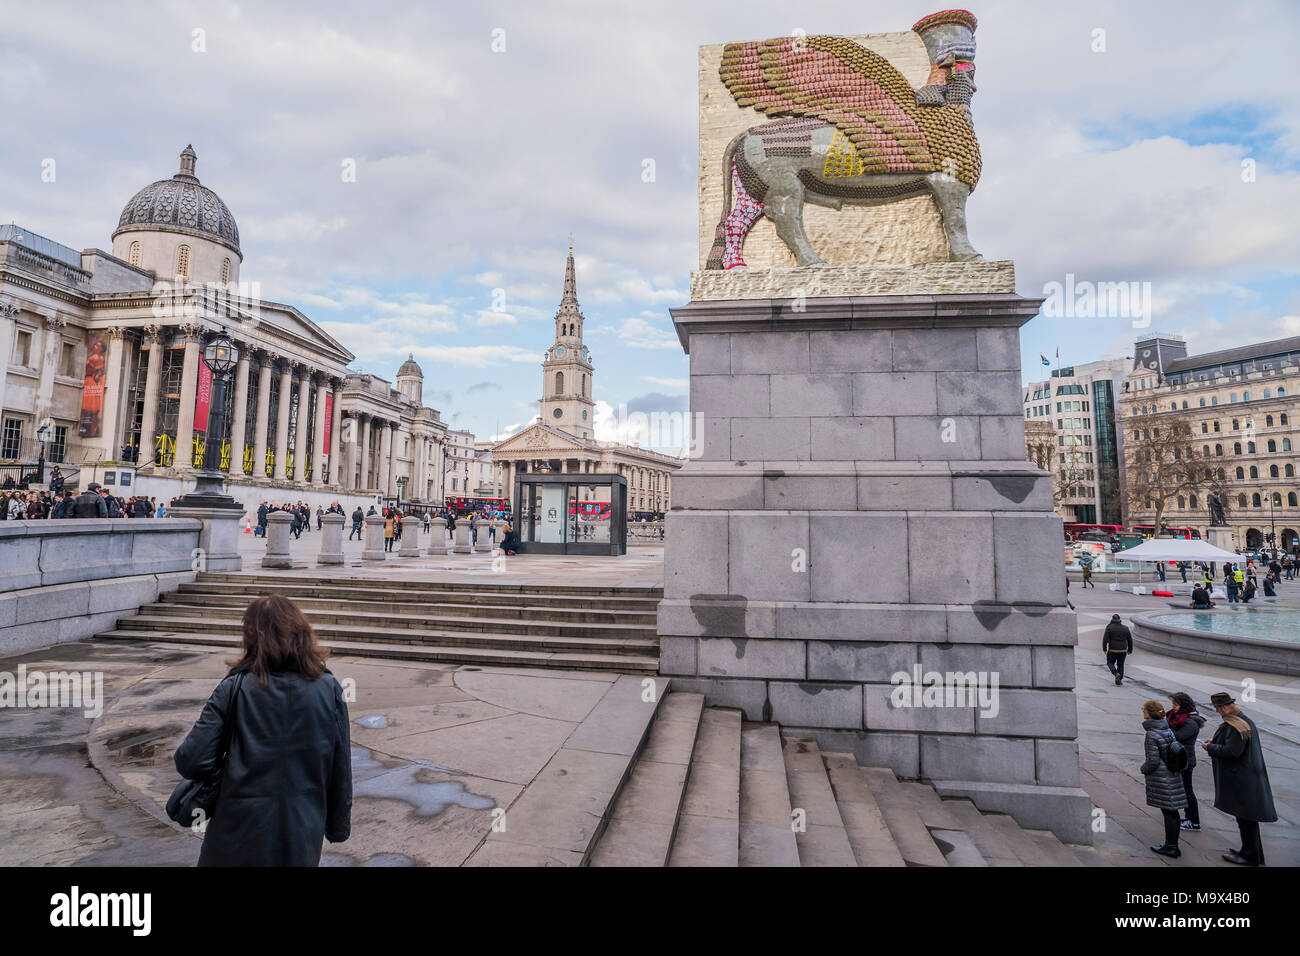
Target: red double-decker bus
[(464, 505), (1094, 532), (1149, 531)]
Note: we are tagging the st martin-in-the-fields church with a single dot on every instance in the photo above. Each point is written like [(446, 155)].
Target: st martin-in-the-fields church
[(563, 438)]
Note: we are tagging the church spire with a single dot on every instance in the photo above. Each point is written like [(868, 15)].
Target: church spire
[(570, 281)]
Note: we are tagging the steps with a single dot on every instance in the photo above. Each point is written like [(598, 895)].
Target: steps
[(570, 627), (713, 790)]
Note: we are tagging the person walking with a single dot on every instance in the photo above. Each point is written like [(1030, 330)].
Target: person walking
[(1087, 575), (320, 517), (1186, 723), (1241, 787), (263, 510), (388, 530), (1182, 569), (286, 783), (1160, 569), (89, 504), (358, 517), (1117, 642), (1164, 784), (1230, 581)]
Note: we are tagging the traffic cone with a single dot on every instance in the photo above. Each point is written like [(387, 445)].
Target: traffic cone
[(248, 526)]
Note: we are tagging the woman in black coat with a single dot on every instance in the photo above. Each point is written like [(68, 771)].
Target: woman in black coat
[(1164, 786), (287, 781), (1186, 723)]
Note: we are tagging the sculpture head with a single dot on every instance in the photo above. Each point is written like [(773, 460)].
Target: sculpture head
[(949, 38)]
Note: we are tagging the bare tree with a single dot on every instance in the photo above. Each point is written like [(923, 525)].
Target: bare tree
[(1163, 463)]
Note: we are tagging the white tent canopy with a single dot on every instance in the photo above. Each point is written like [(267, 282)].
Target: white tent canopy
[(1177, 549)]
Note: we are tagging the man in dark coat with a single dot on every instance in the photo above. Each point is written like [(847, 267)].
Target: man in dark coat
[(358, 517), (1241, 786), (1117, 642), (89, 504)]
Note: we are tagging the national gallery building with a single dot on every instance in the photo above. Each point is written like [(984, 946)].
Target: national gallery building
[(104, 350)]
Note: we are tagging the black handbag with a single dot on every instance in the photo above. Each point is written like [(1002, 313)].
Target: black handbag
[(195, 801)]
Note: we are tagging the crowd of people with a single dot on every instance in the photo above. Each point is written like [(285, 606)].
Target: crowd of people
[(302, 516), (94, 502)]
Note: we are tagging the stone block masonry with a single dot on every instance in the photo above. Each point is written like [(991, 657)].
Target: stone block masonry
[(861, 510)]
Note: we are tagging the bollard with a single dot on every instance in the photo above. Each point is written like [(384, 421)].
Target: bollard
[(331, 539), (462, 539), (438, 535), (374, 550), (410, 546), (277, 540)]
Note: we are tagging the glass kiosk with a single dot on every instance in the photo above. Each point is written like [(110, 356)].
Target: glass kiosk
[(560, 513)]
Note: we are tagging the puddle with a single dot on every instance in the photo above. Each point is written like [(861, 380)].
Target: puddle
[(137, 744), (373, 721), (402, 783)]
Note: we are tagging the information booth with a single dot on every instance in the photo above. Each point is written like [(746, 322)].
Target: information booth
[(559, 513)]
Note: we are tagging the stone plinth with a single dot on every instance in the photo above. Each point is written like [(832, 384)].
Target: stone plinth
[(463, 541), (278, 524), (438, 535), (219, 537), (1221, 537), (861, 511), (410, 544), (331, 539), (928, 278), (374, 532)]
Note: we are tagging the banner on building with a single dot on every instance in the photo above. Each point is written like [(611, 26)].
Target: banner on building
[(329, 421), (202, 397), (91, 423)]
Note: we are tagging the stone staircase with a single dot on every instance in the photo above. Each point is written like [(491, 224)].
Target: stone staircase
[(710, 789), (509, 625)]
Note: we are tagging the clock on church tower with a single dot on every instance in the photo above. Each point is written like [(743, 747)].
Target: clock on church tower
[(566, 371)]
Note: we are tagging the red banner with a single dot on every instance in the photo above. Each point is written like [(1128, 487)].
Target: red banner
[(92, 388), (202, 397), (329, 422)]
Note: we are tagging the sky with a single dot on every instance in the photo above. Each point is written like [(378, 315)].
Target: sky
[(1154, 144)]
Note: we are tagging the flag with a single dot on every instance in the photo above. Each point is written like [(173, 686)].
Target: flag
[(1044, 358), (1058, 353)]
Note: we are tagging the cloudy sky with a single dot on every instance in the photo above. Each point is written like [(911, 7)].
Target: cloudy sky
[(1143, 142)]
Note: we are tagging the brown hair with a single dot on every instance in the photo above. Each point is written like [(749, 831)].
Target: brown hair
[(277, 637), (1184, 701), (1153, 709)]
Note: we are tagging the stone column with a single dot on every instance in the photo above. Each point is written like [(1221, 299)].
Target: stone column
[(111, 430), (337, 464), (277, 540), (331, 539), (363, 480), (438, 535), (385, 458), (154, 336), (189, 390), (240, 413), (844, 442), (410, 544), (374, 549), (282, 419), (302, 426), (464, 544), (260, 428), (321, 452)]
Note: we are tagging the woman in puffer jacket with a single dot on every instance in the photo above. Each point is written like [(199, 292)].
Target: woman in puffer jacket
[(1164, 786), (1186, 724)]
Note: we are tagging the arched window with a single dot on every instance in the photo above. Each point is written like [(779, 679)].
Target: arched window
[(1282, 419), (1184, 403), (1241, 473), (1281, 392), (1181, 502), (225, 270), (1272, 445), (1268, 421), (1232, 399), (1245, 397), (1236, 448), (1221, 474), (1255, 500), (1254, 472), (1236, 425), (1191, 502), (1289, 471), (1218, 449), (584, 386), (1250, 448), (1272, 471), (133, 254), (1205, 427), (1202, 403), (1173, 406), (1214, 399), (1241, 501), (1205, 451), (183, 261), (1286, 444), (559, 383), (1291, 499)]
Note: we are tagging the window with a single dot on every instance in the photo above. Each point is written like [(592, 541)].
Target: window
[(1214, 399), (1254, 472), (1267, 393), (1272, 445), (11, 438), (1236, 425), (1218, 449), (59, 447), (1221, 476), (133, 254), (1232, 399), (1241, 473), (1191, 502), (1282, 419), (1289, 471), (1236, 448), (1216, 426), (183, 261), (1245, 396), (1181, 502), (1250, 447), (23, 348), (1241, 501), (1268, 421), (559, 383), (68, 360), (1286, 444), (1291, 499), (1205, 427), (1281, 392), (1272, 471), (225, 270), (1202, 403), (1255, 500)]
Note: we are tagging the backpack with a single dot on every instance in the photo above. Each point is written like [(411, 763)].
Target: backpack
[(1175, 756)]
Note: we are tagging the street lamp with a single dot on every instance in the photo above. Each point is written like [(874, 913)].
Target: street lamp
[(43, 436), (220, 356)]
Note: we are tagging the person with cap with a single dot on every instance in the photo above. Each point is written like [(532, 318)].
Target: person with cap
[(1241, 787), (1117, 642), (89, 504), (1164, 785)]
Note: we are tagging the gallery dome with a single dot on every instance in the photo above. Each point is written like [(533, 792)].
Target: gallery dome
[(181, 204)]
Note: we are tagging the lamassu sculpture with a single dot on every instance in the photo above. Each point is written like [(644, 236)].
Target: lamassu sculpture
[(852, 130)]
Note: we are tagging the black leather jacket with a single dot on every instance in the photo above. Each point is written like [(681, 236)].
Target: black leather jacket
[(288, 779)]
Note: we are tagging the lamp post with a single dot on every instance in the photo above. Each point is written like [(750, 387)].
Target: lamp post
[(401, 486), (220, 356), (43, 436)]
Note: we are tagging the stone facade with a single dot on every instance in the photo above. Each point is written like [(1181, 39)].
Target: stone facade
[(863, 508)]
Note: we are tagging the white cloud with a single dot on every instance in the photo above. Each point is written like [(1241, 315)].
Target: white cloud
[(639, 334), (678, 383)]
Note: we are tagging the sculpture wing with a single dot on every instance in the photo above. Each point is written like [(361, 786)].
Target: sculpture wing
[(859, 92)]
